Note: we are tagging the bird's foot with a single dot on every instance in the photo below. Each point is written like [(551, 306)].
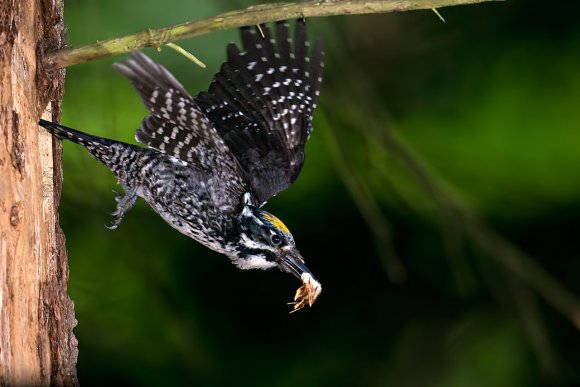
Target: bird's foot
[(124, 204)]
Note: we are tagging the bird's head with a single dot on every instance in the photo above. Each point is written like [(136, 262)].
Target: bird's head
[(265, 242)]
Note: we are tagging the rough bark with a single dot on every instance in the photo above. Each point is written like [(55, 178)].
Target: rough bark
[(37, 345)]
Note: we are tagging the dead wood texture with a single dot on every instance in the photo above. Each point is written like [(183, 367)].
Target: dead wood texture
[(37, 346)]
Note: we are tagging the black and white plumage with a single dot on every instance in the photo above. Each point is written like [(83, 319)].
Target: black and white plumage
[(261, 103), (213, 161)]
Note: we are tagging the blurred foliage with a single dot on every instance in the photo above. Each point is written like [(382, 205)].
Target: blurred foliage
[(488, 101)]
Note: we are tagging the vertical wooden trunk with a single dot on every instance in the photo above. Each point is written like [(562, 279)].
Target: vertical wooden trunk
[(37, 346)]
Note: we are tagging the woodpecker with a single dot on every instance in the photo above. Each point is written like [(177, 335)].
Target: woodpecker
[(213, 161)]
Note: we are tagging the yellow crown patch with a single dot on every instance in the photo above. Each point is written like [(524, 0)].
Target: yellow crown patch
[(276, 222)]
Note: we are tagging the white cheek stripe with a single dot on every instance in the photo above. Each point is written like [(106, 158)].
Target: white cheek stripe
[(253, 244), (254, 262)]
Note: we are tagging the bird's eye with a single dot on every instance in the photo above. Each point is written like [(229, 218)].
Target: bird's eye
[(276, 239)]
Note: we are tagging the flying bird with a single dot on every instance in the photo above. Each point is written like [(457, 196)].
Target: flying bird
[(213, 161)]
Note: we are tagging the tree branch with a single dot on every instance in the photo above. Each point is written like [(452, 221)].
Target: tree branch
[(250, 16)]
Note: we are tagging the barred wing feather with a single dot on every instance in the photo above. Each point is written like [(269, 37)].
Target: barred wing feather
[(261, 103)]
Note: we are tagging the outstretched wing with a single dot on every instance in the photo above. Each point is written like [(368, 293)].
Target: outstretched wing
[(261, 103), (175, 125)]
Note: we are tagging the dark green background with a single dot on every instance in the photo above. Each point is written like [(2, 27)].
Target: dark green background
[(489, 101)]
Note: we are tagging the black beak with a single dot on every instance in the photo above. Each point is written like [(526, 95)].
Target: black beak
[(294, 264)]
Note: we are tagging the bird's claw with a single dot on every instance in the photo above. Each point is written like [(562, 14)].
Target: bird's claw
[(124, 203)]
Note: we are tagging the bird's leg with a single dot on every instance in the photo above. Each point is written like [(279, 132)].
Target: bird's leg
[(124, 203)]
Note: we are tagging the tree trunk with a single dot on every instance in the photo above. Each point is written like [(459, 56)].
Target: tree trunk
[(37, 346)]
